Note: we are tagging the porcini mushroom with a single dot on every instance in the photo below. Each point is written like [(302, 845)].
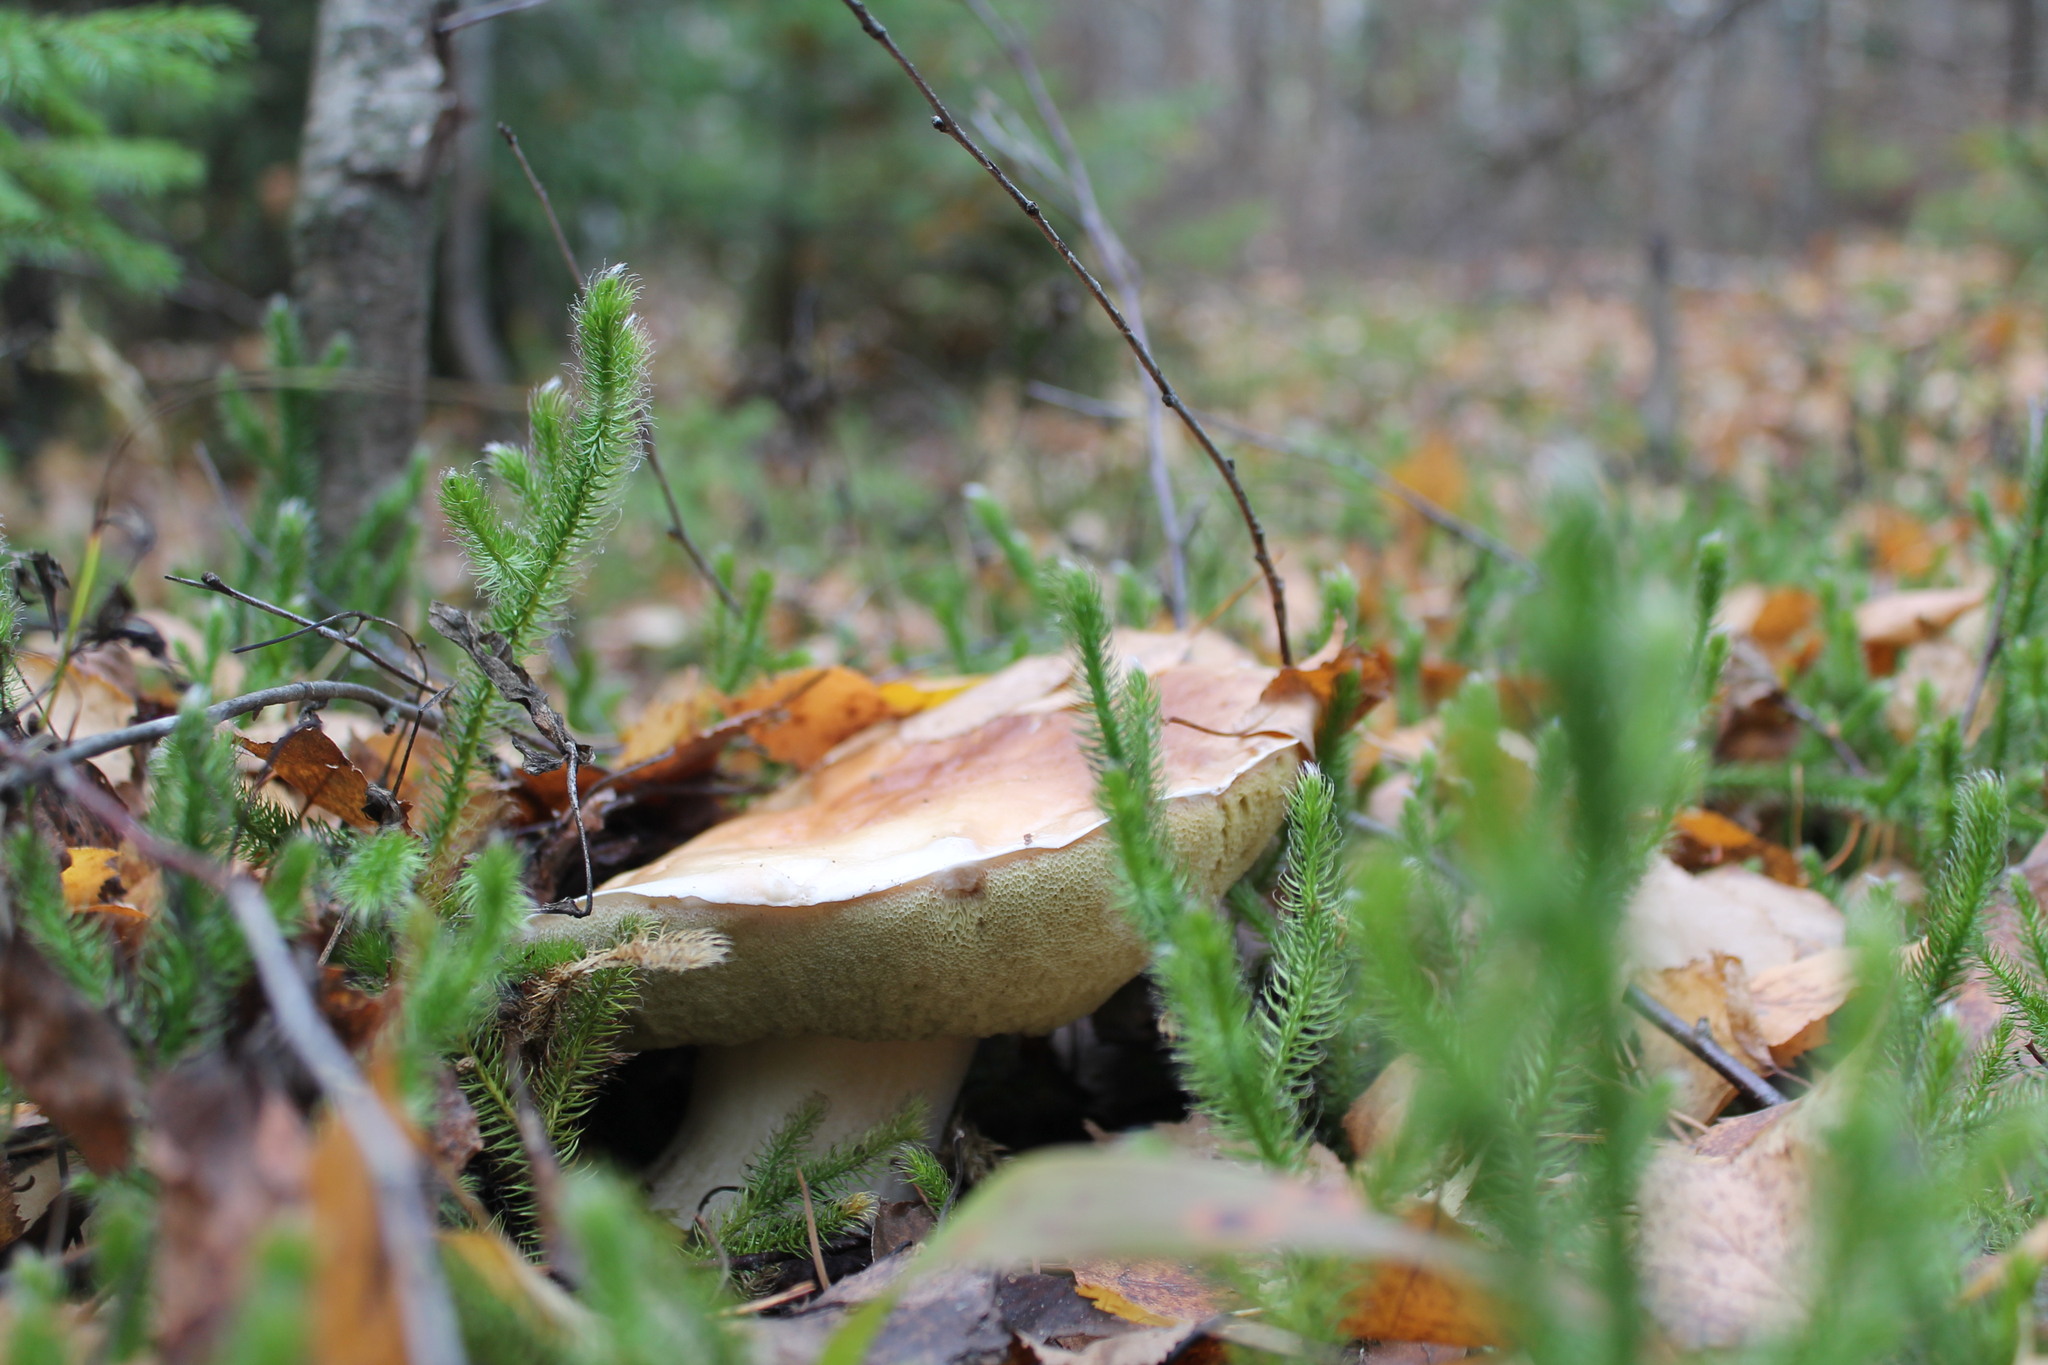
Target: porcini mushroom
[(937, 880)]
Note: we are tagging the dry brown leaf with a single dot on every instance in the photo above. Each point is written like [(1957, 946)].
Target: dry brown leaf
[(1901, 544), (1435, 471), (1374, 671), (1793, 1002), (684, 705), (1675, 919), (95, 697), (1947, 672), (1375, 1117), (398, 761), (67, 1057), (1723, 1229), (1703, 839), (808, 713), (1150, 1292), (1757, 724), (355, 1307), (908, 696), (1713, 989), (1899, 620), (1782, 615), (93, 877), (1410, 1303), (314, 766)]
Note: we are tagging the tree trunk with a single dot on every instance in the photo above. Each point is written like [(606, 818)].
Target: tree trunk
[(465, 246), (362, 233)]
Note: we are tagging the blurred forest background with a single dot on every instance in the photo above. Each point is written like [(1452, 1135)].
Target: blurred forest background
[(765, 164), (1506, 234)]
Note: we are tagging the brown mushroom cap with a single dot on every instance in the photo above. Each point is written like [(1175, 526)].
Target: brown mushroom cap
[(948, 875)]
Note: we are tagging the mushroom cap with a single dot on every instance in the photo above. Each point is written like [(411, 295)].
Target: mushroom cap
[(948, 875)]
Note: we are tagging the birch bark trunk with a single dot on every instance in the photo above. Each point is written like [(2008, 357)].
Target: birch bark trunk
[(363, 233)]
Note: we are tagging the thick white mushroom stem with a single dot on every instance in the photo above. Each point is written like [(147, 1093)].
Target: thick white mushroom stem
[(742, 1094)]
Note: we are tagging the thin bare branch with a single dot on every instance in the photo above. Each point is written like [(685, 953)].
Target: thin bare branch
[(1649, 70), (676, 530), (1122, 269), (943, 121), (1435, 514), (212, 582), (1700, 1043), (547, 205), (35, 762)]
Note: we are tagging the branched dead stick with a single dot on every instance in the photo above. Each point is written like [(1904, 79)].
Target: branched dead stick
[(547, 205), (1700, 1043), (34, 762), (426, 1312), (1121, 267), (943, 121), (212, 582), (1440, 517)]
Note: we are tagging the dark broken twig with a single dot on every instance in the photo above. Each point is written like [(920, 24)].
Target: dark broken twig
[(1700, 1043), (31, 763), (212, 582), (944, 122)]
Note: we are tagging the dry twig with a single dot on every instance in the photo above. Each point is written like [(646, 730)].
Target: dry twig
[(944, 122), (1700, 1043), (1121, 268), (31, 763)]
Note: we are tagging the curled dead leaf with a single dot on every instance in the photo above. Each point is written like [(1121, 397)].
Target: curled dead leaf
[(67, 1057), (1703, 839), (808, 713), (314, 766), (1899, 620)]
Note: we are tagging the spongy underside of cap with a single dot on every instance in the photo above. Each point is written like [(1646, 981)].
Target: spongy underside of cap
[(1021, 943)]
